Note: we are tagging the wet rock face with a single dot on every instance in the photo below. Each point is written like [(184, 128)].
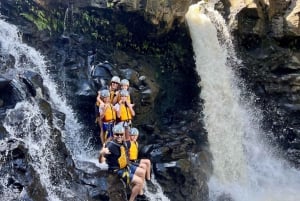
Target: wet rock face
[(76, 3), (78, 66), (161, 73), (267, 40), (160, 13), (275, 76), (276, 18), (163, 14), (17, 172)]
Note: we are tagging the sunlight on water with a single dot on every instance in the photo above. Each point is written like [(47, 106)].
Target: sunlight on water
[(27, 58), (245, 168), (158, 196), (26, 123), (33, 126), (7, 193), (34, 130), (217, 93)]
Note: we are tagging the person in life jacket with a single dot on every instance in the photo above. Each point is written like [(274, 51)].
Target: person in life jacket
[(124, 85), (142, 163), (113, 88), (125, 112), (107, 115), (116, 154)]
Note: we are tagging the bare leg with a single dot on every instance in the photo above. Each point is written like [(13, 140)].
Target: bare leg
[(138, 184), (101, 131), (140, 172), (147, 165), (102, 137)]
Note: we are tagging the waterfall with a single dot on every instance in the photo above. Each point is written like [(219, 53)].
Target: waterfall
[(27, 58), (32, 129), (26, 123), (68, 20), (245, 166)]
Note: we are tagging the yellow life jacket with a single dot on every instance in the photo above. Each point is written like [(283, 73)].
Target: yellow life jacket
[(133, 151), (122, 160), (125, 114), (109, 114)]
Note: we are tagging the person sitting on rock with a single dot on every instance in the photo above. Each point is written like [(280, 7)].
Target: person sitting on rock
[(143, 163), (125, 112), (107, 116), (116, 154)]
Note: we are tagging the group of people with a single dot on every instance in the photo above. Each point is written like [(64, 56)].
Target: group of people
[(119, 138)]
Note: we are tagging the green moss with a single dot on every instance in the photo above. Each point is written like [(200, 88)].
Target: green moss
[(145, 45), (109, 5), (51, 20), (121, 30), (118, 44), (86, 18), (104, 22), (40, 21), (95, 35)]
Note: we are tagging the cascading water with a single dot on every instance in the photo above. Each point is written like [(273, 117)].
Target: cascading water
[(26, 123), (27, 58), (33, 130), (245, 167), (68, 20)]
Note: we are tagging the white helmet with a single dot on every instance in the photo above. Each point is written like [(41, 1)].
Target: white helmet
[(118, 129), (134, 131), (124, 82), (115, 79), (104, 93), (124, 92)]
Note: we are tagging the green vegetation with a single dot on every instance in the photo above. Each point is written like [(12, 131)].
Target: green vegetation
[(51, 20), (100, 25), (121, 30), (40, 21)]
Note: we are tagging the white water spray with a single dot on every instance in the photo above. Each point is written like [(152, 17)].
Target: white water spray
[(27, 58), (244, 167), (33, 126), (33, 130)]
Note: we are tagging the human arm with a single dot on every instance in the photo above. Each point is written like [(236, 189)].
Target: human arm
[(104, 151), (130, 106), (98, 99)]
